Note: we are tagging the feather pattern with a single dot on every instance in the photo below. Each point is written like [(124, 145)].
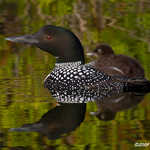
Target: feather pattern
[(77, 83)]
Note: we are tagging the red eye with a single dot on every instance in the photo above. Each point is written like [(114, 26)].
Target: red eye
[(49, 37)]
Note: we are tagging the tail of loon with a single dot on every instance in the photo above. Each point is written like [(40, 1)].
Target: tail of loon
[(137, 85)]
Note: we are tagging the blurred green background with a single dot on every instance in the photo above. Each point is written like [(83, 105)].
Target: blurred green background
[(124, 24)]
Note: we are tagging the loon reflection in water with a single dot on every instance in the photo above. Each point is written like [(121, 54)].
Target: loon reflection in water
[(57, 121), (67, 117), (107, 110)]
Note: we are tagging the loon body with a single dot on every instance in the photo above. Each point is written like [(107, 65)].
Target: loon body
[(81, 83), (73, 81)]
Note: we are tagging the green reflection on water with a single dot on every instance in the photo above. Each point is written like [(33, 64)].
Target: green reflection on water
[(122, 24)]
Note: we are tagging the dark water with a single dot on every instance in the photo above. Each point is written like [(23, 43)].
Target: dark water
[(25, 105)]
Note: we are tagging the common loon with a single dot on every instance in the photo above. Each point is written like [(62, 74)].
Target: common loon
[(73, 81), (112, 64)]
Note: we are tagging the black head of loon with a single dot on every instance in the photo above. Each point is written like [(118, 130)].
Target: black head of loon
[(59, 42)]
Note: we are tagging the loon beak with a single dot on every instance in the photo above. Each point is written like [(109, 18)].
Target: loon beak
[(27, 39)]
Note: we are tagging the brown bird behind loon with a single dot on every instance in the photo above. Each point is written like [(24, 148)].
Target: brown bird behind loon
[(112, 64)]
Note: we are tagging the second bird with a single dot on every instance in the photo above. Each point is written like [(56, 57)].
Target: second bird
[(113, 64)]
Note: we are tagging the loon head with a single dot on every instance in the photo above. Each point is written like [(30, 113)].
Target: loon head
[(59, 42)]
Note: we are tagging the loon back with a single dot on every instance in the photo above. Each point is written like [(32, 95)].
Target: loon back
[(78, 84)]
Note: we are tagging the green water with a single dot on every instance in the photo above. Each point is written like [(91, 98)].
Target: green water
[(124, 24)]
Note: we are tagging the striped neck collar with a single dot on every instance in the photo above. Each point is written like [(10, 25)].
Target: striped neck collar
[(72, 64)]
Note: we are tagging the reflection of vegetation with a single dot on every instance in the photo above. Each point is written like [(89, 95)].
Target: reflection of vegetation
[(124, 24)]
